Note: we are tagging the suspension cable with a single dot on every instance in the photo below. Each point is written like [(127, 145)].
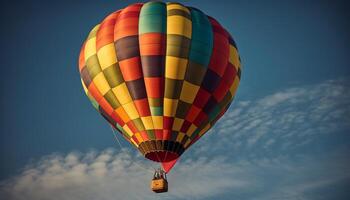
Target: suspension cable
[(121, 148)]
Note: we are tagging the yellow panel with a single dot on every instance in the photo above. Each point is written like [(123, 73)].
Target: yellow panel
[(90, 48), (179, 25), (205, 129), (175, 67), (177, 124), (106, 56), (188, 92), (157, 122), (177, 6), (101, 83), (123, 94), (127, 130), (234, 86), (180, 136), (170, 106), (191, 130), (130, 109), (234, 58), (147, 122), (138, 137), (187, 143)]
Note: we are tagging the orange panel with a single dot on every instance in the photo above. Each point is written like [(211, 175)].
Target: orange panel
[(131, 68), (126, 27), (122, 114), (144, 135), (152, 49), (105, 105), (94, 92), (152, 38), (154, 87), (142, 107)]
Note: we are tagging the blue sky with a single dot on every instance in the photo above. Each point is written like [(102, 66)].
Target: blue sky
[(286, 136)]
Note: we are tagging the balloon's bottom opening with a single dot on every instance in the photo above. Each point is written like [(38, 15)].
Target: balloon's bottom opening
[(162, 156)]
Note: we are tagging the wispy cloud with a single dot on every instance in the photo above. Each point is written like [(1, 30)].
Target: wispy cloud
[(285, 120), (112, 175), (259, 150)]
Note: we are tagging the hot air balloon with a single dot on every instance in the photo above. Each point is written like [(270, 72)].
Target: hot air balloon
[(161, 74)]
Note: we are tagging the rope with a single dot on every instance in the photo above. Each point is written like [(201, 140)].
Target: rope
[(121, 148)]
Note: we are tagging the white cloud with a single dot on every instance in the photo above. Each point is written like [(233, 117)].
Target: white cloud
[(288, 118), (110, 175), (248, 155)]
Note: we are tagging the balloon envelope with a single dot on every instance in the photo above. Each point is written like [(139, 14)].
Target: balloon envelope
[(160, 73)]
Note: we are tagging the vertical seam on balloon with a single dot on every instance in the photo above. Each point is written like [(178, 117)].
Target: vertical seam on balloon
[(149, 106), (133, 100), (172, 138), (98, 59), (204, 124), (211, 51), (117, 62)]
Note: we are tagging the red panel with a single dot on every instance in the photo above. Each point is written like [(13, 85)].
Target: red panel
[(135, 139), (201, 98), (117, 119), (167, 166), (142, 107), (166, 134), (158, 134), (221, 91), (200, 118), (230, 74), (221, 49), (154, 87), (162, 156), (168, 122), (192, 113), (132, 126), (131, 68), (218, 62)]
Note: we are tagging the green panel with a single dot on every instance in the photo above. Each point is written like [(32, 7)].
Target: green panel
[(154, 7), (138, 123), (156, 111), (93, 66), (151, 135), (113, 75), (202, 38), (112, 99), (153, 18)]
